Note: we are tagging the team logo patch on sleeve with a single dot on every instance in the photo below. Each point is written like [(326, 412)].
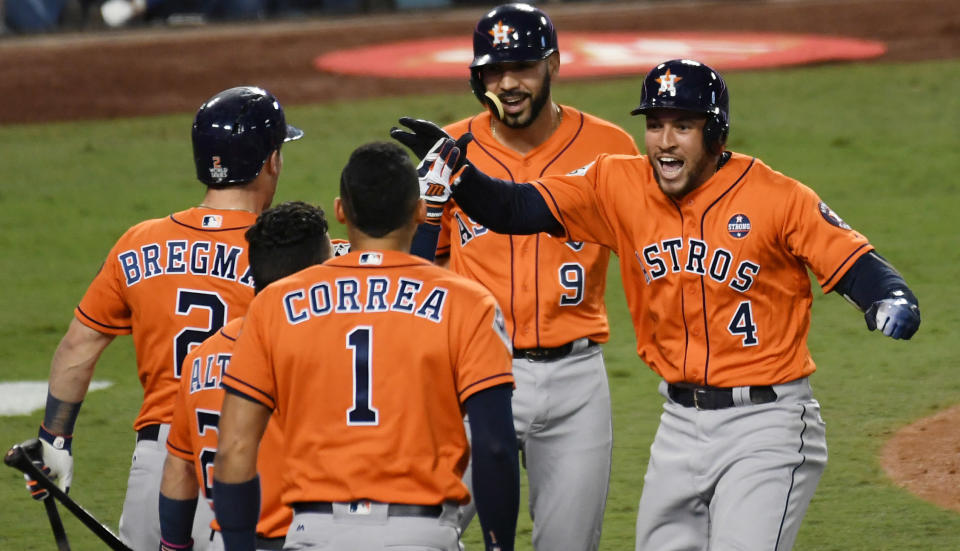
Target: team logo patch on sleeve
[(340, 247), (582, 170), (832, 217), (738, 226)]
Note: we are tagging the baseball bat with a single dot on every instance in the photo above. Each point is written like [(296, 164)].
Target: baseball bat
[(33, 449), (17, 458), (59, 534)]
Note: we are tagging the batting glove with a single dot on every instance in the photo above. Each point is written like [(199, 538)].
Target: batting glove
[(896, 317), (434, 174), (421, 138), (57, 463)]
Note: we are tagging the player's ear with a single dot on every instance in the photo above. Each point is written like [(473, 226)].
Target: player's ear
[(274, 163), (338, 210), (553, 64)]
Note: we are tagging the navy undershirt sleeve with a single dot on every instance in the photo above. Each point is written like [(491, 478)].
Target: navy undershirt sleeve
[(425, 241), (872, 278), (503, 206), (496, 471)]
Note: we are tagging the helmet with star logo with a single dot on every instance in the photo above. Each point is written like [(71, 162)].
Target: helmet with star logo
[(510, 33), (689, 86)]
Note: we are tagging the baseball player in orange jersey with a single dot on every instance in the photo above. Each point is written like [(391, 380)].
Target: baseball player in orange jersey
[(171, 283), (551, 290), (714, 250), (284, 240), (368, 363)]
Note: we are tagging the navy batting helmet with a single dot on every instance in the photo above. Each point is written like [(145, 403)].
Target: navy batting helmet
[(234, 132), (690, 86), (509, 33)]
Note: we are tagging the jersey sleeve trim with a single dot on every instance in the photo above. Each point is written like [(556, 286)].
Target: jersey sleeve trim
[(186, 455), (835, 277), (240, 388), (87, 320), (555, 210), (486, 382)]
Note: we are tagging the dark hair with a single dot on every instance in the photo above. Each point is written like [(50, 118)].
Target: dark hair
[(379, 188), (286, 239)]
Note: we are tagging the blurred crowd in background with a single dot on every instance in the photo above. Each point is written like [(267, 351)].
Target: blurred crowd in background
[(40, 16)]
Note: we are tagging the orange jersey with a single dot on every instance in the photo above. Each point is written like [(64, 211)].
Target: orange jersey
[(193, 434), (366, 361), (171, 282), (551, 289), (716, 283)]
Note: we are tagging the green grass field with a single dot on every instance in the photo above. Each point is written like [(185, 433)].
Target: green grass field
[(878, 142)]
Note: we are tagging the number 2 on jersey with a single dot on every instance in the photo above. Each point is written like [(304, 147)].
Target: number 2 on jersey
[(207, 419), (360, 341), (188, 337)]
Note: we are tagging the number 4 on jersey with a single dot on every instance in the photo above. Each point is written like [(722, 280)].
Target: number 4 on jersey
[(742, 324)]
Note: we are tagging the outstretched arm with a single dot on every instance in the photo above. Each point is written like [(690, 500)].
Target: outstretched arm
[(879, 291), (503, 206)]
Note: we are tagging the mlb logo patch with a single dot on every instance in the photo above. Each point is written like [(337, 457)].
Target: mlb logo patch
[(360, 508), (738, 226), (374, 259), (212, 221)]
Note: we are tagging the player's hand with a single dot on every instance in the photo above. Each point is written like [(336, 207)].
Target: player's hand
[(56, 462), (434, 174), (421, 137), (897, 318)]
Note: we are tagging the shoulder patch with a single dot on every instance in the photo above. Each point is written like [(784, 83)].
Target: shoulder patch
[(582, 170), (500, 328), (832, 217), (340, 247)]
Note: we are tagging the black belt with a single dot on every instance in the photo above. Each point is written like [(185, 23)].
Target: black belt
[(393, 509), (149, 432), (271, 544), (711, 397), (546, 354)]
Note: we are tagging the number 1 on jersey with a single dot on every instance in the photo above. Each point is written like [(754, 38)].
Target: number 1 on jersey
[(360, 340)]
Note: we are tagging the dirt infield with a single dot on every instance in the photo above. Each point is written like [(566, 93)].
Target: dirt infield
[(155, 71)]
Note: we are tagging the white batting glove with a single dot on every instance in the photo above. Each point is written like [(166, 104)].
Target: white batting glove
[(434, 173), (896, 317), (57, 463)]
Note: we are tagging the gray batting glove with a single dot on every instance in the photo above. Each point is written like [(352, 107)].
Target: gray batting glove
[(896, 317), (57, 462)]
